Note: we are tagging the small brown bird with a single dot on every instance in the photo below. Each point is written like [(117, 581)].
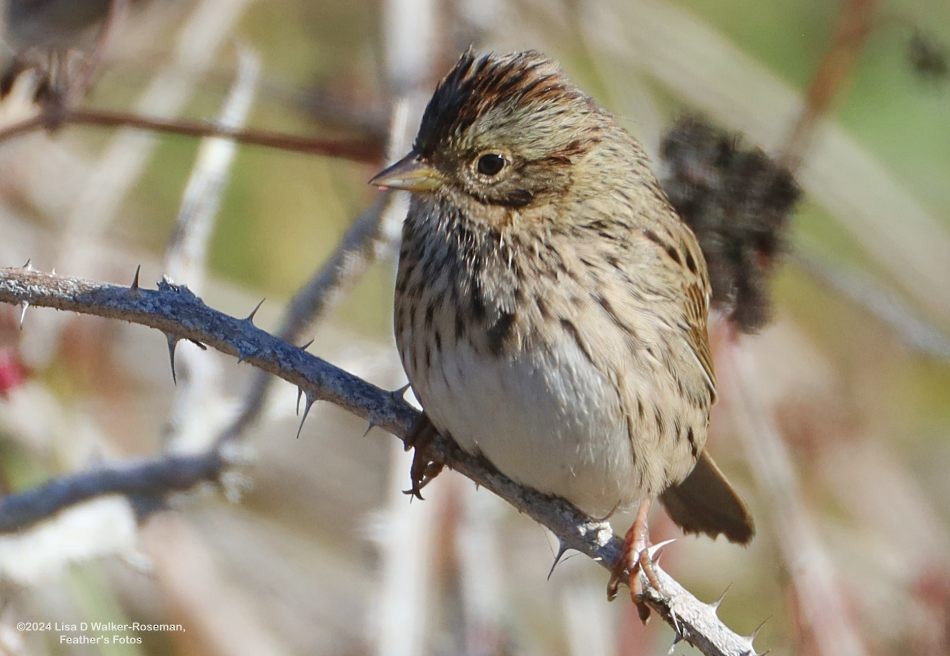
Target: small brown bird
[(551, 306)]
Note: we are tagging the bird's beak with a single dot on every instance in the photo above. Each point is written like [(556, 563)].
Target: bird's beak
[(411, 173)]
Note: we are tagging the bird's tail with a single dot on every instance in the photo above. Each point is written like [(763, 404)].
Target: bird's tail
[(706, 503)]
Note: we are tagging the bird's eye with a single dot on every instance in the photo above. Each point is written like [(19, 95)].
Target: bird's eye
[(490, 164)]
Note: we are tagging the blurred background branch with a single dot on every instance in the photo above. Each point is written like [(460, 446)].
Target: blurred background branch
[(359, 151)]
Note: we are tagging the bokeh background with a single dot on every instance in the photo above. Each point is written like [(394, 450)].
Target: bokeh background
[(833, 420)]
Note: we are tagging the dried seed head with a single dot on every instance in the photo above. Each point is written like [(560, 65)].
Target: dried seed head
[(737, 201)]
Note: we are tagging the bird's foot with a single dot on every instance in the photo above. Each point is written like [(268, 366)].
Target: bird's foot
[(424, 468), (634, 561)]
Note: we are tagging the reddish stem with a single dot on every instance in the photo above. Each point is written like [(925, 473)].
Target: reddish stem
[(362, 150), (851, 31)]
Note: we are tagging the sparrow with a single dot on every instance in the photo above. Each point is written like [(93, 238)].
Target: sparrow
[(551, 306)]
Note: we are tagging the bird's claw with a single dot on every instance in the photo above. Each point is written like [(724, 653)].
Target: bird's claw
[(638, 557), (423, 468), (422, 471)]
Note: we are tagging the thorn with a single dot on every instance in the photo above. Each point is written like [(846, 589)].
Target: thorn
[(28, 265), (250, 318), (370, 427), (755, 631), (751, 650), (715, 605), (172, 343), (24, 305), (243, 355), (561, 550), (400, 393), (652, 553), (307, 345), (655, 550), (677, 638), (135, 280), (674, 621), (310, 400), (299, 394)]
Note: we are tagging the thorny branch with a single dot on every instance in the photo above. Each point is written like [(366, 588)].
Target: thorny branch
[(180, 314), (366, 239), (352, 256), (187, 247)]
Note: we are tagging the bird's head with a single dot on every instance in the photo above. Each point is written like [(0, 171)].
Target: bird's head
[(500, 130)]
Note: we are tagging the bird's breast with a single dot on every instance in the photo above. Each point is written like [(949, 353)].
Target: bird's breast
[(542, 414)]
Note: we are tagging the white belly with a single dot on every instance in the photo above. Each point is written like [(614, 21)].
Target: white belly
[(549, 421)]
